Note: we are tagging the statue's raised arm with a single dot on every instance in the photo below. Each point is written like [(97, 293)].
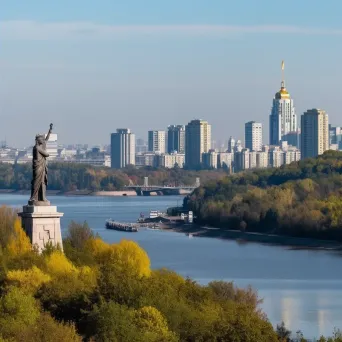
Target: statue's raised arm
[(50, 130)]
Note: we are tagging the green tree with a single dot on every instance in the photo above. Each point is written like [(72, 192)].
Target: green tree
[(17, 311)]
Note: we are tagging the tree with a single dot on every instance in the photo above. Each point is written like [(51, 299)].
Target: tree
[(28, 280), (19, 243), (57, 264), (112, 322), (79, 234), (152, 325), (123, 269), (48, 330), (7, 218), (128, 256), (283, 333), (17, 311)]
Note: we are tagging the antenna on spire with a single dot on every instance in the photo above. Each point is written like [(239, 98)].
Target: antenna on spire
[(282, 74)]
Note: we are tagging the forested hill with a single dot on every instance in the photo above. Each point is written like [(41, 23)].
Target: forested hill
[(300, 199), (70, 177)]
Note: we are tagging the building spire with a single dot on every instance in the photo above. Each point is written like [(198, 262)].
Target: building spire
[(282, 74)]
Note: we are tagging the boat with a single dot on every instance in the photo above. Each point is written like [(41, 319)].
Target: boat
[(120, 226), (155, 213), (154, 227)]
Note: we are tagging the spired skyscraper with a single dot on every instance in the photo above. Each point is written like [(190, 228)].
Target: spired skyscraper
[(283, 118)]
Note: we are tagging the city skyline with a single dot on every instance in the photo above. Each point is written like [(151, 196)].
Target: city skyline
[(97, 67)]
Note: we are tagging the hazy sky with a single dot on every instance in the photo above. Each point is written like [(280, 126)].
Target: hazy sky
[(93, 66)]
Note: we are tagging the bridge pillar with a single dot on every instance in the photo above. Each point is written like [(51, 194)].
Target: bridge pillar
[(146, 182)]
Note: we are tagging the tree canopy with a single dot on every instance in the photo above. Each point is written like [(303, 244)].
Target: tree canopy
[(108, 292), (71, 177), (302, 199)]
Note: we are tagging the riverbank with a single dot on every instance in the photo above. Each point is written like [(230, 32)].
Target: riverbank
[(117, 193), (73, 193), (270, 239)]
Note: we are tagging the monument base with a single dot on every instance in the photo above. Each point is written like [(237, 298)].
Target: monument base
[(39, 203), (42, 225)]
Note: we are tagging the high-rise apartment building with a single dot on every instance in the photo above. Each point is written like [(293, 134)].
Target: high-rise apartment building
[(292, 138), (170, 160), (156, 141), (231, 145), (253, 136), (122, 148), (225, 160), (283, 119), (315, 133), (197, 141), (335, 136), (176, 139), (209, 159), (140, 146)]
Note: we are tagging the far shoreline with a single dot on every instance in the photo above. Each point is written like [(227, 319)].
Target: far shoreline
[(299, 243), (207, 231), (117, 193)]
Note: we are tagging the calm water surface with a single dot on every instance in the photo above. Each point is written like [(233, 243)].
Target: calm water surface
[(301, 288)]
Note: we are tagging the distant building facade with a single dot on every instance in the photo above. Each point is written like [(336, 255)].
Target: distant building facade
[(140, 146), (241, 160), (122, 148), (315, 133), (335, 136), (225, 160), (292, 138), (253, 136), (171, 160), (52, 146), (176, 139), (197, 142), (231, 145), (156, 141), (209, 159)]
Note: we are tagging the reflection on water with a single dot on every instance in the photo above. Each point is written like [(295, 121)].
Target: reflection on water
[(315, 312), (303, 288), (289, 311)]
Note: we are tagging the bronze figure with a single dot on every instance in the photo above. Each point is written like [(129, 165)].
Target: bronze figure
[(39, 171)]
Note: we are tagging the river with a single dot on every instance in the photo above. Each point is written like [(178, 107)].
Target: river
[(303, 288)]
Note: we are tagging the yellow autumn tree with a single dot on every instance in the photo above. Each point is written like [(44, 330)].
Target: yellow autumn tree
[(28, 280), (19, 243), (122, 271), (67, 279), (153, 325), (128, 256), (58, 264), (98, 248)]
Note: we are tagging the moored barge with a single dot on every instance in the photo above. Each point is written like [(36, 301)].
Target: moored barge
[(123, 227)]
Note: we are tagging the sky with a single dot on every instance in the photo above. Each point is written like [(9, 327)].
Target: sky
[(91, 67)]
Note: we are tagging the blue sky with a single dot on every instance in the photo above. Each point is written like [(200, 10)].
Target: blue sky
[(93, 66)]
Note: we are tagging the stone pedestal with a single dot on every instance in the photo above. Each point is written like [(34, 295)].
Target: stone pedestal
[(42, 225)]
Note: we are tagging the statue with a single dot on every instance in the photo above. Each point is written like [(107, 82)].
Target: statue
[(39, 171)]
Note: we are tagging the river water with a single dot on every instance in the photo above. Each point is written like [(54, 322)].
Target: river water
[(303, 288)]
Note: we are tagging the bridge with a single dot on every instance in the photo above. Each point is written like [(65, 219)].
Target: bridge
[(148, 190)]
